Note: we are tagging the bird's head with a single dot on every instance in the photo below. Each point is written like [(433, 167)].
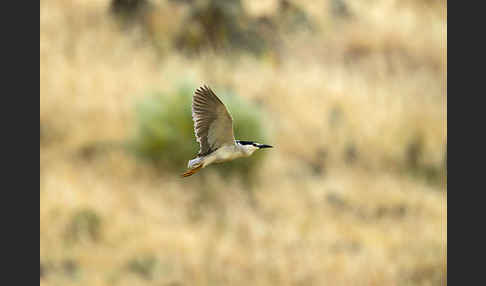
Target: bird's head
[(251, 147)]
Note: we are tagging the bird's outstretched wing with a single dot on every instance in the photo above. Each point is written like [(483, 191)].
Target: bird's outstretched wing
[(213, 124)]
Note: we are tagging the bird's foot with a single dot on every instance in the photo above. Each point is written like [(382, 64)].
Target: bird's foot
[(191, 172)]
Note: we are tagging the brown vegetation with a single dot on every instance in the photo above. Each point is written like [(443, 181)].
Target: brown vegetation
[(353, 193)]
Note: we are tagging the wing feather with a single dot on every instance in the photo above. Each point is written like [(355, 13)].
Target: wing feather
[(213, 125)]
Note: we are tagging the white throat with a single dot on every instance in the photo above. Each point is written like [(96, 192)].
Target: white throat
[(248, 149)]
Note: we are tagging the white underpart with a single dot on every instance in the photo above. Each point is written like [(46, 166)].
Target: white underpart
[(223, 154)]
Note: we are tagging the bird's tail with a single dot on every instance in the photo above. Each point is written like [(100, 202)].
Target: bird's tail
[(194, 162), (192, 171)]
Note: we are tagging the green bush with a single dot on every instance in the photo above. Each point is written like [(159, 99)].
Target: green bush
[(165, 132)]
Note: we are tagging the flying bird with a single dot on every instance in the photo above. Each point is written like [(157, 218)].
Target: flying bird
[(213, 127)]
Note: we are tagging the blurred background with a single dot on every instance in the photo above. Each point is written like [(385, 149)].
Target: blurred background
[(352, 94)]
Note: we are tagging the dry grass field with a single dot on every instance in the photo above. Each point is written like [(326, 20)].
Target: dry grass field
[(354, 192)]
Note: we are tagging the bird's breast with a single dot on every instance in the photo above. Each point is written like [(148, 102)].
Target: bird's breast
[(226, 153)]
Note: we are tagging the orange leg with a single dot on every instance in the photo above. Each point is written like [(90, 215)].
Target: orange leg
[(192, 171)]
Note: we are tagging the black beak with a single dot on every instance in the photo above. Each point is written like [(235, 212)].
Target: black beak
[(261, 146)]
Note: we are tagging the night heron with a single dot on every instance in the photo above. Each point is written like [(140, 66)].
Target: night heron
[(213, 127)]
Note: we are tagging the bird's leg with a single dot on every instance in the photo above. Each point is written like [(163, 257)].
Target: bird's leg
[(192, 171)]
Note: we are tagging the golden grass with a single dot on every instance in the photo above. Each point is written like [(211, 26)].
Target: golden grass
[(373, 83)]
